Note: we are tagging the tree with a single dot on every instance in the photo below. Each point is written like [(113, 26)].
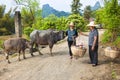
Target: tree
[(6, 21), (61, 23), (87, 13), (30, 11), (75, 7), (78, 21), (52, 22), (110, 17), (2, 10)]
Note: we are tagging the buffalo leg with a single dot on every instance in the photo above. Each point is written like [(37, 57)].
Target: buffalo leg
[(19, 56), (7, 57), (31, 49), (36, 46), (50, 46), (51, 51), (23, 54)]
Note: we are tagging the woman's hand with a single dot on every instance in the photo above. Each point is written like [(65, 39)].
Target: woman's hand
[(83, 33)]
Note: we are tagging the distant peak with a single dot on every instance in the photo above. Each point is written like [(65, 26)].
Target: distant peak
[(97, 3), (46, 5), (96, 6), (47, 10)]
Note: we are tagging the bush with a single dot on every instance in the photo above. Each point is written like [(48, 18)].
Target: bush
[(106, 37), (117, 42), (28, 30), (1, 44), (78, 20)]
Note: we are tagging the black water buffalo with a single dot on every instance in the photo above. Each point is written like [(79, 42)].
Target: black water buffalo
[(45, 37), (17, 45)]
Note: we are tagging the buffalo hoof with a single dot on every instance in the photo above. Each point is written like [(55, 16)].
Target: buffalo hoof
[(71, 57), (52, 55), (24, 57), (9, 62), (40, 53), (32, 55)]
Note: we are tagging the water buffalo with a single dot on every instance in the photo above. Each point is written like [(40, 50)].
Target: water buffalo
[(45, 37), (17, 45)]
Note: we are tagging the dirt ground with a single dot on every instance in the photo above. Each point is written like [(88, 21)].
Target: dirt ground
[(59, 66)]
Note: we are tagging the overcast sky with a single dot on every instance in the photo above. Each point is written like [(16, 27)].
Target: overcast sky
[(61, 5)]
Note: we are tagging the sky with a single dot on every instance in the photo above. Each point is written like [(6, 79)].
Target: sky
[(61, 5)]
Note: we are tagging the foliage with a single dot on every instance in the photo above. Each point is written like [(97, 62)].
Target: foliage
[(45, 23), (6, 21), (117, 42), (2, 10), (75, 7), (1, 44), (30, 11), (78, 21), (87, 13), (99, 15), (61, 24), (114, 75), (106, 36), (28, 30), (51, 21), (27, 19), (110, 17)]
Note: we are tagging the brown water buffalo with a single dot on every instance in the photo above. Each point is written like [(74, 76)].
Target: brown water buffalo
[(17, 45), (45, 37)]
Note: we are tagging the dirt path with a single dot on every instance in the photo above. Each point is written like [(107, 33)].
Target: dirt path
[(58, 67)]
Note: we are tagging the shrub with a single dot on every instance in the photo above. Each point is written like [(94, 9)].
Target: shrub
[(28, 30), (106, 37), (1, 44)]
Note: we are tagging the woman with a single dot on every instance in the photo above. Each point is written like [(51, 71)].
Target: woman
[(93, 43), (72, 34)]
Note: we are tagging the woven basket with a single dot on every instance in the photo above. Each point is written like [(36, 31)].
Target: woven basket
[(77, 51), (112, 53)]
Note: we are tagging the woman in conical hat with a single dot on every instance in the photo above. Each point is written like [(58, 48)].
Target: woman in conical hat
[(93, 43), (91, 24), (72, 34)]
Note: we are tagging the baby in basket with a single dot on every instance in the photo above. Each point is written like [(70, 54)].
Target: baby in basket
[(78, 50)]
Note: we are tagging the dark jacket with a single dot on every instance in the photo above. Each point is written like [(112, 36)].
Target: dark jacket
[(71, 34)]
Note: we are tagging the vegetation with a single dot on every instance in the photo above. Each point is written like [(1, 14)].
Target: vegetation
[(78, 20), (109, 16), (87, 13), (6, 21), (75, 7), (30, 11)]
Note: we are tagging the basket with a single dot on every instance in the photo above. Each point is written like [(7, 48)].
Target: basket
[(112, 53), (77, 51)]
